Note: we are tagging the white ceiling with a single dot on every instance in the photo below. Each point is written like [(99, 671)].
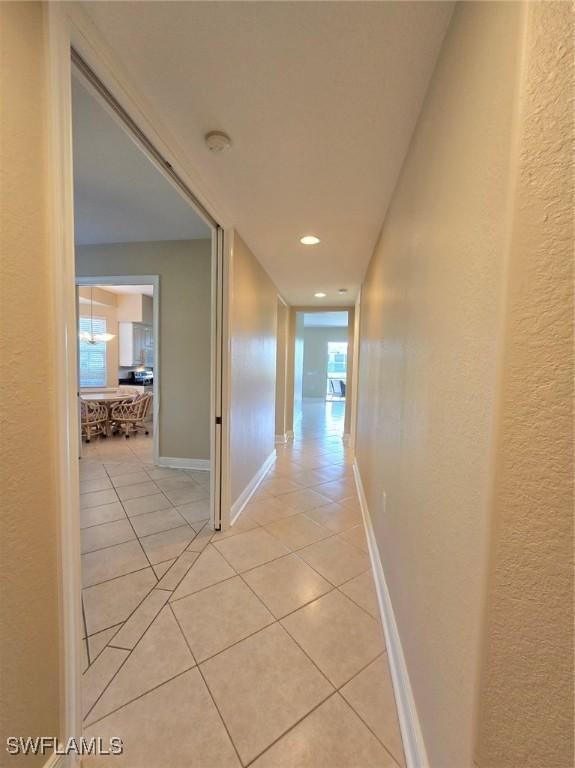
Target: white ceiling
[(119, 196), (320, 99)]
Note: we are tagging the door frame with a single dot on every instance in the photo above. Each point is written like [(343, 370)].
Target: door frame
[(153, 280), (69, 28), (352, 362)]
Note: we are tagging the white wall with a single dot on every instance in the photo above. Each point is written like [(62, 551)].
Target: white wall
[(315, 341), (252, 340), (184, 267)]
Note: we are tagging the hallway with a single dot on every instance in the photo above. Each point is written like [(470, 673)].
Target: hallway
[(261, 645)]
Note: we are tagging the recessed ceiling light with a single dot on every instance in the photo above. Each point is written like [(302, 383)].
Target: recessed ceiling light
[(309, 240), (218, 141), (320, 295)]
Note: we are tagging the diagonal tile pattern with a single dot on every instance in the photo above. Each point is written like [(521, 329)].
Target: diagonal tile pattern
[(258, 645)]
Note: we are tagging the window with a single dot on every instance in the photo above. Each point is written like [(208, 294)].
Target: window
[(336, 368), (93, 356)]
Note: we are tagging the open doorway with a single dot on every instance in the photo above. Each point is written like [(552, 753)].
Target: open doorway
[(147, 267), (321, 372), (118, 361)]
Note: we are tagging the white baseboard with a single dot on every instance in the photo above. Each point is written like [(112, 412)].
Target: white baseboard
[(413, 744), (251, 488), (281, 439), (177, 463)]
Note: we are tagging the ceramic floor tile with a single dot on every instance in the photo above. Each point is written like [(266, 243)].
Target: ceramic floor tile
[(362, 591), (219, 616), (337, 490), (194, 511), (338, 635), (117, 468), (167, 544), (161, 654), (335, 517), (185, 494), (113, 601), (297, 531), (103, 514), (371, 695), (263, 686), (106, 535), (146, 504), (208, 569), (250, 549), (156, 730), (132, 478), (97, 642), (140, 619), (305, 500), (95, 484), (97, 498), (136, 491), (203, 537), (178, 570), (336, 560), (355, 536), (332, 736), (155, 522), (276, 486), (241, 525), (176, 483), (267, 510), (161, 568), (99, 674), (286, 584), (163, 473), (105, 564)]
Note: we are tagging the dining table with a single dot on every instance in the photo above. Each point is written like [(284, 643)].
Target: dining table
[(108, 399)]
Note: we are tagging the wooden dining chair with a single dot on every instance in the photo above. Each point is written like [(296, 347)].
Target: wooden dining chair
[(94, 419), (130, 417)]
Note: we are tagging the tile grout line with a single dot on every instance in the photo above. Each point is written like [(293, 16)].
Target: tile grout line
[(207, 687)]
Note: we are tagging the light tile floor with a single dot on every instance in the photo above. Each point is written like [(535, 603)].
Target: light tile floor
[(260, 645)]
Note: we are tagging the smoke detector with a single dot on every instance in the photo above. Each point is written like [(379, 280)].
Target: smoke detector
[(217, 141), (342, 291)]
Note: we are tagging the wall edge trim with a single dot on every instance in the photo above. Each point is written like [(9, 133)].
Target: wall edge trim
[(281, 439), (412, 736), (239, 504), (177, 463)]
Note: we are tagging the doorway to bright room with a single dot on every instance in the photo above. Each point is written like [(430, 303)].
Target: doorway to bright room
[(321, 374)]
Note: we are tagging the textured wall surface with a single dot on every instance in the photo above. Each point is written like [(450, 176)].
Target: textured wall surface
[(29, 626), (184, 267), (527, 692), (430, 323), (253, 328)]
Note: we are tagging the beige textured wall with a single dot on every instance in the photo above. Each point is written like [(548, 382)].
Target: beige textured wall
[(184, 267), (430, 321), (29, 626), (252, 339), (527, 692), (281, 367)]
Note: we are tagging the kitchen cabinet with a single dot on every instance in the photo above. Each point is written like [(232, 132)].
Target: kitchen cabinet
[(136, 344)]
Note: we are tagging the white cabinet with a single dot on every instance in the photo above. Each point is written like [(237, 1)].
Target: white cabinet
[(136, 344)]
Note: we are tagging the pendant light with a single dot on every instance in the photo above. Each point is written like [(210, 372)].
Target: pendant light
[(91, 337)]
